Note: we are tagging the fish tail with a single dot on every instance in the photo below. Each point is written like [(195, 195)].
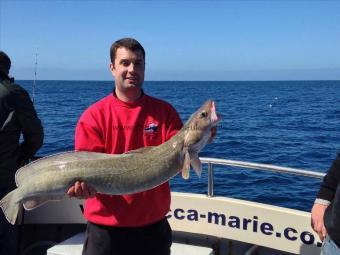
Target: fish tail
[(10, 207)]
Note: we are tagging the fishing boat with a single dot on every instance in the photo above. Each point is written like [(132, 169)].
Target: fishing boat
[(201, 223)]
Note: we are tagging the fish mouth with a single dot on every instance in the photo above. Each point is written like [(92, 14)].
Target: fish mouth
[(214, 117)]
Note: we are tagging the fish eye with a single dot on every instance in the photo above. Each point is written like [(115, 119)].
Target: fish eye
[(204, 114)]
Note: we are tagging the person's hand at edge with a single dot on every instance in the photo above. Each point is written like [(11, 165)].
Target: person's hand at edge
[(317, 221)]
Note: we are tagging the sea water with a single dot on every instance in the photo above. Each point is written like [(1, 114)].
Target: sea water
[(286, 123)]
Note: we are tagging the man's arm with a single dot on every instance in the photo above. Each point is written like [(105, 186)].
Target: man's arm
[(31, 127), (324, 197), (87, 138), (330, 181), (174, 123)]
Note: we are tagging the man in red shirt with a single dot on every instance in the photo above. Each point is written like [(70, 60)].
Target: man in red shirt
[(126, 120)]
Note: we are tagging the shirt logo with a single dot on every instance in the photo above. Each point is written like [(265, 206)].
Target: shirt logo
[(151, 128)]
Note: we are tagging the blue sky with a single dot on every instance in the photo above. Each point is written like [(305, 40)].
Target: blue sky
[(184, 40)]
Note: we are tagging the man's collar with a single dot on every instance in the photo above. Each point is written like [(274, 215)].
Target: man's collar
[(114, 93)]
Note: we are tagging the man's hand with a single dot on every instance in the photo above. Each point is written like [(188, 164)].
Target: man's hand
[(317, 222), (81, 190)]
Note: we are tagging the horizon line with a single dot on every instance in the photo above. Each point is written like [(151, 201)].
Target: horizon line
[(184, 80)]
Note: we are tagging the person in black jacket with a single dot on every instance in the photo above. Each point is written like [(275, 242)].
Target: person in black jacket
[(325, 217), (17, 116)]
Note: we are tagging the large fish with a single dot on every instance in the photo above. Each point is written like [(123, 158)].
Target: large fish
[(49, 178)]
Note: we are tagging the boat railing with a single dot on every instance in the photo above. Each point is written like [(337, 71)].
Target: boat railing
[(252, 166)]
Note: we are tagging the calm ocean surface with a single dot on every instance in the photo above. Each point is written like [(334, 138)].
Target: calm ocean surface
[(286, 123)]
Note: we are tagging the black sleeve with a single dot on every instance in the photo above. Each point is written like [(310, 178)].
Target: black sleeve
[(330, 181), (31, 127)]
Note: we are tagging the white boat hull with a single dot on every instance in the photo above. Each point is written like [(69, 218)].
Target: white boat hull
[(218, 219)]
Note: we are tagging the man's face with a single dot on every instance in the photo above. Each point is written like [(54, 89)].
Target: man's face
[(128, 69)]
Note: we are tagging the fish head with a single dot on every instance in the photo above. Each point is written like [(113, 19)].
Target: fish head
[(200, 130), (201, 127)]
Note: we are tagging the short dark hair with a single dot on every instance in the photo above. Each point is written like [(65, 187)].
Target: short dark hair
[(5, 62), (128, 43)]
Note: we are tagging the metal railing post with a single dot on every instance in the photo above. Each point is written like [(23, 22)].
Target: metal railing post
[(210, 180)]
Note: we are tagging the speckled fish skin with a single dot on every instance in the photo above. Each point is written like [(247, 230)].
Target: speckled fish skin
[(49, 178)]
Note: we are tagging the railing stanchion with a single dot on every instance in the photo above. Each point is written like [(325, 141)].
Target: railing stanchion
[(210, 180)]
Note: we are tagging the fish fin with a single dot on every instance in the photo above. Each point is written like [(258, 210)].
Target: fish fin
[(213, 134), (140, 150), (186, 166), (55, 161), (39, 165), (10, 207), (196, 165), (35, 202)]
